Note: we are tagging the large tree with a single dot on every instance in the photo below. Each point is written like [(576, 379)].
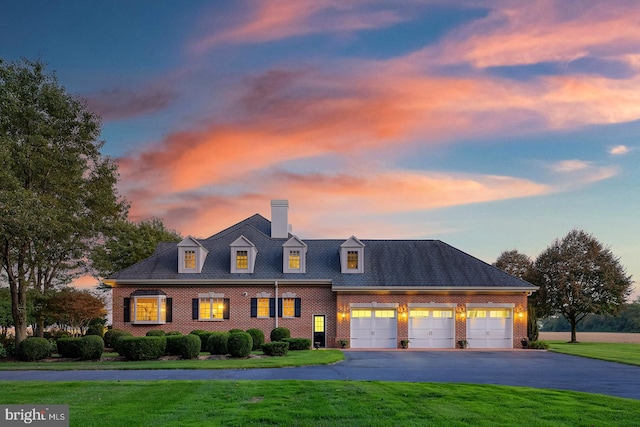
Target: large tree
[(128, 243), (57, 191), (521, 266), (577, 276)]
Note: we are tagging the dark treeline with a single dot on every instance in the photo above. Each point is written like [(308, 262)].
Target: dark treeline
[(627, 321)]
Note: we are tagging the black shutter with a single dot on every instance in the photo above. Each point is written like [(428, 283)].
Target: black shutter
[(194, 309), (254, 307), (298, 307), (279, 307), (272, 307), (169, 310), (225, 310), (127, 309)]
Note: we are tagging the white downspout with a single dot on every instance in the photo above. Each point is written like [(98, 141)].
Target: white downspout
[(276, 285)]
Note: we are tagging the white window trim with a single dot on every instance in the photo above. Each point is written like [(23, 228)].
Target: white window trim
[(294, 244), (352, 245), (243, 244), (211, 297), (162, 300)]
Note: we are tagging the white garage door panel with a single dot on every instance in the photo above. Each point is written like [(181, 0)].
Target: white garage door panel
[(431, 328), (489, 328), (373, 328)]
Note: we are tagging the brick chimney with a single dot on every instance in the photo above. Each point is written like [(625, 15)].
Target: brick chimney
[(280, 219)]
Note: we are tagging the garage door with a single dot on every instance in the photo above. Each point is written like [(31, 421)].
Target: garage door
[(431, 328), (489, 328), (373, 328)]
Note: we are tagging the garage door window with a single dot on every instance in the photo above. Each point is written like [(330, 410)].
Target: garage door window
[(502, 314), (389, 314), (418, 313), (360, 313), (472, 314)]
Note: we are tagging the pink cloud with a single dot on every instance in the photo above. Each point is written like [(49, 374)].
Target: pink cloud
[(338, 202), (269, 20), (543, 31), (619, 150)]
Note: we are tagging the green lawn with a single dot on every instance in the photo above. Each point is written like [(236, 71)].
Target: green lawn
[(293, 358), (614, 352), (319, 403)]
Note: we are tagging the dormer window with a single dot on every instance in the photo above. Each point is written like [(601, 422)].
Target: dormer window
[(352, 260), (294, 254), (243, 255), (189, 260), (352, 256), (294, 260), (191, 256), (242, 260)]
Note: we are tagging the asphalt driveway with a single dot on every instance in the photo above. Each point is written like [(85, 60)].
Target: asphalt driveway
[(540, 369)]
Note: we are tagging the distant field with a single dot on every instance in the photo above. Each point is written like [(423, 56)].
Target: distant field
[(592, 337)]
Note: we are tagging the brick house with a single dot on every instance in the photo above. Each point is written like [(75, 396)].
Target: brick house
[(373, 293)]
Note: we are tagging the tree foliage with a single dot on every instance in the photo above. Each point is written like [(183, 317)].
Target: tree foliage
[(57, 192), (521, 266), (74, 309), (577, 276), (129, 243), (514, 263)]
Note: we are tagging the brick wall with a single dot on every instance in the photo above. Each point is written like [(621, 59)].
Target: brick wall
[(461, 300), (315, 300)]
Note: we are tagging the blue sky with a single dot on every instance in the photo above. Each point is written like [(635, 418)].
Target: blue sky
[(489, 124)]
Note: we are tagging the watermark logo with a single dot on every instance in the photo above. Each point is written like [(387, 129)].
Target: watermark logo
[(36, 415)]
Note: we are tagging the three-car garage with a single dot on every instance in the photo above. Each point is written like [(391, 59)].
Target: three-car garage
[(428, 326)]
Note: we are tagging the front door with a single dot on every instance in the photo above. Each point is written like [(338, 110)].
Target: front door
[(319, 336)]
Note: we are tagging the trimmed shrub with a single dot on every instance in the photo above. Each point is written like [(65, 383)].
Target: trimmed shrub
[(3, 351), (538, 345), (278, 333), (217, 343), (275, 348), (174, 333), (142, 348), (298, 343), (34, 348), (155, 333), (112, 335), (190, 346), (95, 330), (258, 338), (90, 347), (240, 344), (174, 346), (198, 332), (68, 347), (235, 331), (204, 337)]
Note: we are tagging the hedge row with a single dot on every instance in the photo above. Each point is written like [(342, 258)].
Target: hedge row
[(89, 347), (141, 348), (275, 348), (298, 343)]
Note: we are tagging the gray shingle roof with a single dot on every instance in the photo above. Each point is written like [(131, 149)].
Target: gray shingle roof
[(387, 263)]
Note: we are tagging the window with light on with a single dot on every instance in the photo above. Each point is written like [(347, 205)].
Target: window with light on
[(242, 260), (263, 307), (190, 260), (288, 307), (352, 259), (150, 309), (211, 308), (294, 260)]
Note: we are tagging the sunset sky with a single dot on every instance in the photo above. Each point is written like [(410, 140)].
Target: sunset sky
[(490, 125)]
